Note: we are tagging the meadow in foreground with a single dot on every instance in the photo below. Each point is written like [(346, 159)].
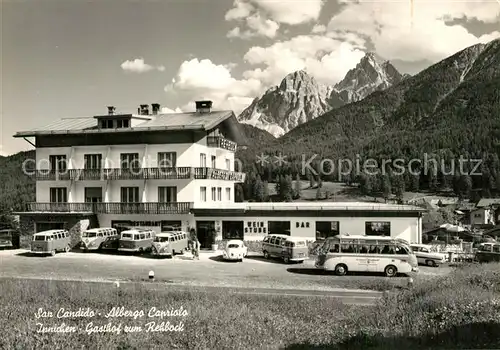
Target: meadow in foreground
[(461, 310)]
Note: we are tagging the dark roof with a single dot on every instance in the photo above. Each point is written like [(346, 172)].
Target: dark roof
[(159, 122)]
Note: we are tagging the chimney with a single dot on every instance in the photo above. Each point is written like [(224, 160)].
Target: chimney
[(203, 106), (155, 108), (144, 110), (111, 110)]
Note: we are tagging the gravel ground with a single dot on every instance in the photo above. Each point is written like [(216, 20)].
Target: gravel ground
[(210, 270)]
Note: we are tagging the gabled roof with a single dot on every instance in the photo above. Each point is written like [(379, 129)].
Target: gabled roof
[(486, 202), (159, 122)]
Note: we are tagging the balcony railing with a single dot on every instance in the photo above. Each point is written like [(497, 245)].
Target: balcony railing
[(141, 174), (221, 142), (218, 174), (162, 173), (112, 208), (52, 175)]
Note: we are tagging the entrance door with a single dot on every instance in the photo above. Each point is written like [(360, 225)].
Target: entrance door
[(203, 230)]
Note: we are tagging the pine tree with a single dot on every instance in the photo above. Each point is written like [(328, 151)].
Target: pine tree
[(298, 187), (466, 185), (386, 187), (239, 193), (258, 190), (266, 191)]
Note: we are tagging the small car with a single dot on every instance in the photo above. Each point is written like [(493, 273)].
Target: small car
[(234, 250), (426, 256)]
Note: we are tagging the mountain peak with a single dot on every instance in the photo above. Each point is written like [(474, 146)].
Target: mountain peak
[(371, 74)]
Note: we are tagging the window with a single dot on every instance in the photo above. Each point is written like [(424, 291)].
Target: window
[(219, 194), (58, 162), (279, 227), (228, 193), (126, 123), (167, 159), (214, 162), (228, 164), (167, 194), (203, 194), (92, 161), (203, 160), (130, 195), (213, 193), (58, 195), (326, 229), (119, 124), (93, 194), (110, 123), (378, 228), (129, 160)]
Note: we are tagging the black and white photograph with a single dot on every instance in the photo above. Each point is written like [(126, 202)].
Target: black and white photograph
[(250, 174)]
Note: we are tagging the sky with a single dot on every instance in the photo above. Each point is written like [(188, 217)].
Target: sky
[(73, 58)]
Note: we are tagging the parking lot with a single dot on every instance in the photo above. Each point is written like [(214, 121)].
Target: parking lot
[(210, 270)]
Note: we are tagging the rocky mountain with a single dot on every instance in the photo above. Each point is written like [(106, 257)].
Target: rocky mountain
[(370, 74), (300, 98), (450, 109)]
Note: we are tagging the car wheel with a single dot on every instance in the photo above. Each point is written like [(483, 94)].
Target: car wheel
[(340, 270), (431, 263), (266, 255), (391, 271)]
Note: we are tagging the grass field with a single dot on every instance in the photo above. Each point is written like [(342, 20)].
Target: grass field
[(460, 310)]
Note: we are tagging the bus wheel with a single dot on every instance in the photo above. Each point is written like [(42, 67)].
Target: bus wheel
[(390, 271), (286, 259), (67, 249), (266, 255), (52, 252), (341, 270)]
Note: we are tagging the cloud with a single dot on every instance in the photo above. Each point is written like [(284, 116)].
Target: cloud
[(318, 28), (263, 17), (139, 66), (428, 36), (167, 110), (328, 59), (203, 79)]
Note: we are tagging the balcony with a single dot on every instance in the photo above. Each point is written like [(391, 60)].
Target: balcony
[(221, 142), (218, 174), (112, 208), (163, 173), (167, 173), (52, 175)]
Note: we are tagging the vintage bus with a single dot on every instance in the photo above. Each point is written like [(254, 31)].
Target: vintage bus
[(170, 243), (99, 238), (50, 242), (366, 254), (488, 252), (285, 247), (137, 240)]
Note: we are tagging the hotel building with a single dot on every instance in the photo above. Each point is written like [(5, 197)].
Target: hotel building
[(156, 170)]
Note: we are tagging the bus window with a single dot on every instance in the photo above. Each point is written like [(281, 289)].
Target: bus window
[(374, 249), (347, 248), (400, 250), (387, 250), (363, 249), (335, 248), (142, 236)]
